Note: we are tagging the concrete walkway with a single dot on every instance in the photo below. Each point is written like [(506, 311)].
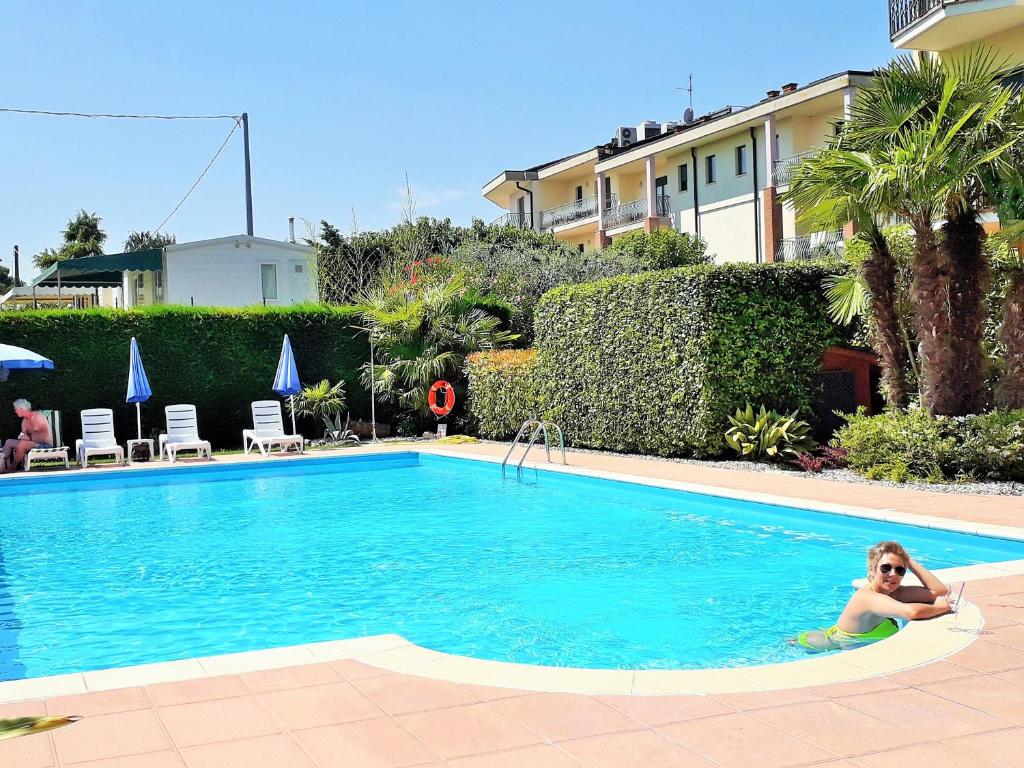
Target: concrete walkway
[(967, 710)]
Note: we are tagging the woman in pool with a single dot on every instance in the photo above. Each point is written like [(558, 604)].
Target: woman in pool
[(872, 611)]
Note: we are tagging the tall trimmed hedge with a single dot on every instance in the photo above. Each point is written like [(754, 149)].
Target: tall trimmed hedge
[(503, 390), (219, 359), (654, 363)]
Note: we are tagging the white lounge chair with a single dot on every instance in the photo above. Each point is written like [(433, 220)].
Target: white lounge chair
[(182, 433), (98, 437), (268, 429), (49, 454)]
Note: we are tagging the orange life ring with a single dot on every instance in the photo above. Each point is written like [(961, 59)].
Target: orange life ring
[(449, 398)]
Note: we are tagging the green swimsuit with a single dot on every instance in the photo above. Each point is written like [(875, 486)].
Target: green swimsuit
[(834, 639)]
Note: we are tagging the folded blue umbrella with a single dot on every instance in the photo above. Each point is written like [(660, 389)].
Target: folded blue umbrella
[(286, 382), (138, 384)]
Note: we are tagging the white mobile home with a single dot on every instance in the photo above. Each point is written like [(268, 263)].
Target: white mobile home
[(235, 271)]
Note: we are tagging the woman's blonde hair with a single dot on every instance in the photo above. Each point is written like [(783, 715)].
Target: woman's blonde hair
[(883, 548)]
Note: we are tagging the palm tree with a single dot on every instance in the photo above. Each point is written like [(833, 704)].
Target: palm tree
[(81, 237), (929, 133), (422, 336), (828, 190), (1011, 330)]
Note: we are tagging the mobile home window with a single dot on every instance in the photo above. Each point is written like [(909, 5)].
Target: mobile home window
[(268, 276), (684, 177), (741, 160), (710, 170)]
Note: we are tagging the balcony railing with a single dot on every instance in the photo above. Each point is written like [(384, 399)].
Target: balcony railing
[(814, 246), (517, 220), (577, 210), (782, 168), (635, 210), (903, 14)]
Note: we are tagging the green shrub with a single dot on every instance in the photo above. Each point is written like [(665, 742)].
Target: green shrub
[(767, 435), (912, 445), (660, 249), (655, 363), (219, 359), (502, 390)]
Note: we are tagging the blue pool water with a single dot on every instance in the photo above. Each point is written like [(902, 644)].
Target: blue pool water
[(127, 568)]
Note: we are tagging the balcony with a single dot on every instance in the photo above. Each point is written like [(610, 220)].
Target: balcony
[(817, 245), (620, 215), (577, 210), (942, 25), (782, 168), (516, 220), (904, 14)]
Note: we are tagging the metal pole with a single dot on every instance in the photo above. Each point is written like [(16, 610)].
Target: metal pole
[(248, 175), (291, 399), (35, 304), (17, 268), (138, 418), (373, 402)]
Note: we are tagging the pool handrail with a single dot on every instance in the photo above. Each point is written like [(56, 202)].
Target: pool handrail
[(539, 427)]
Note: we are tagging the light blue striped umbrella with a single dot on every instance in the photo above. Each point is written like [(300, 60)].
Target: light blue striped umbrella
[(138, 384), (286, 382), (12, 358)]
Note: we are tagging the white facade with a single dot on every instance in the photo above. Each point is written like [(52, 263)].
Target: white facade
[(234, 271)]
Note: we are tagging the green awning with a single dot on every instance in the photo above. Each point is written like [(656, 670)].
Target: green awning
[(101, 270)]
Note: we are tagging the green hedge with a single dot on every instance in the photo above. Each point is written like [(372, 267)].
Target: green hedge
[(218, 359), (655, 363), (502, 391), (912, 445)]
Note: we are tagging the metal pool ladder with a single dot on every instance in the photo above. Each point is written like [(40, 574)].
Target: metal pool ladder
[(538, 428)]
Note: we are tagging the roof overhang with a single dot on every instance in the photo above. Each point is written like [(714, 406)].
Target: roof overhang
[(781, 107), (498, 189), (501, 186), (107, 269)]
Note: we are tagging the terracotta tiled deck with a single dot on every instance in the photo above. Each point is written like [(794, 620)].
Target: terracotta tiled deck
[(967, 710)]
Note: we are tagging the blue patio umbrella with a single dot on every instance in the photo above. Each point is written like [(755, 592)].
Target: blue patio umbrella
[(138, 384), (286, 382), (12, 358)]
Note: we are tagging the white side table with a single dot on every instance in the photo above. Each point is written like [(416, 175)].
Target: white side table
[(133, 443)]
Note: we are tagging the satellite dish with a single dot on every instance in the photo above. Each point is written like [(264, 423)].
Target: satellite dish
[(688, 115)]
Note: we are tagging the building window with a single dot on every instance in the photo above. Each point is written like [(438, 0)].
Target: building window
[(741, 160), (140, 288), (158, 287), (661, 186), (684, 177), (268, 277), (607, 192), (581, 247), (579, 193), (710, 170)]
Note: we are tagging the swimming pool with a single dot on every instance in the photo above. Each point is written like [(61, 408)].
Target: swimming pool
[(126, 568)]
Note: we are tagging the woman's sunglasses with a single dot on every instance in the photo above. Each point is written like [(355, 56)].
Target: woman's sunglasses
[(888, 567)]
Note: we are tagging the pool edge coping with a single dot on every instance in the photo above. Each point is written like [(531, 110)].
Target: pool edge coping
[(918, 644)]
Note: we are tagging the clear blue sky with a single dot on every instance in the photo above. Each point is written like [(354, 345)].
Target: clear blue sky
[(346, 98)]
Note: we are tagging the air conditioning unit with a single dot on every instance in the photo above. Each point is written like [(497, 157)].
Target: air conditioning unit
[(648, 129), (625, 136), (669, 126)]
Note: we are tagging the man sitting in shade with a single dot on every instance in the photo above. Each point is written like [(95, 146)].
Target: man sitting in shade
[(35, 433)]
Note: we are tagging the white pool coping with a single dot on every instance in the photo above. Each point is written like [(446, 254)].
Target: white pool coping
[(919, 643)]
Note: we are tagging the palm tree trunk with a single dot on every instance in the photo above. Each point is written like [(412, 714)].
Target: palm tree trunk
[(963, 243), (934, 321), (880, 275), (1011, 388)]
